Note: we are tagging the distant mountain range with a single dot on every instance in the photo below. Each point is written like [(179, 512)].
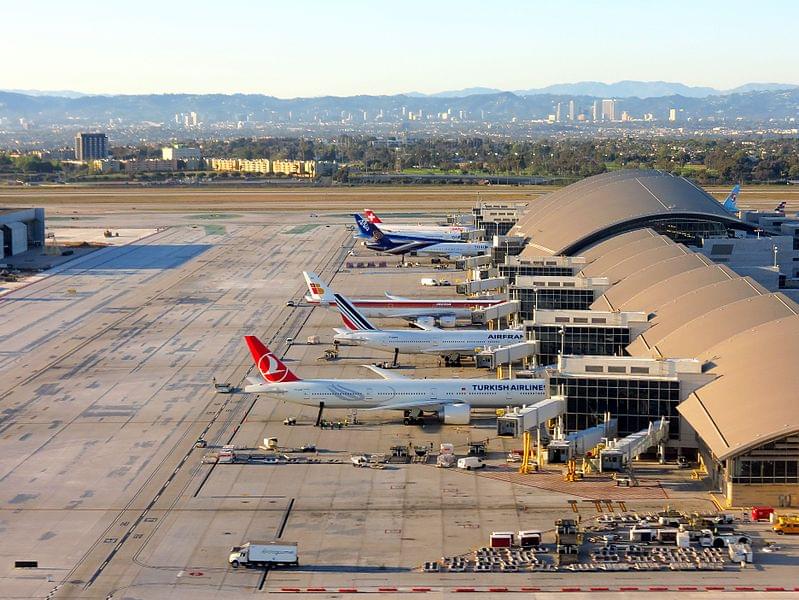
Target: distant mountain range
[(484, 106), (620, 89)]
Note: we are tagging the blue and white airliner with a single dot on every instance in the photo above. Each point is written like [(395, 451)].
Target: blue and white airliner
[(405, 243)]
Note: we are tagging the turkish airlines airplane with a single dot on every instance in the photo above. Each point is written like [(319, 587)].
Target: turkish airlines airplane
[(452, 399), (445, 310), (449, 344), (444, 232)]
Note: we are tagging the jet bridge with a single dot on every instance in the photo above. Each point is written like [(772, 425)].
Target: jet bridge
[(493, 358), (482, 285), (619, 454), (578, 443), (515, 422), (498, 311)]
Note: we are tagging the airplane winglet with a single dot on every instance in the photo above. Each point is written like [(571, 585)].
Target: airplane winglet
[(385, 374)]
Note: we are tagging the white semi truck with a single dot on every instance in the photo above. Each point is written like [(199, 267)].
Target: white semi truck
[(260, 554)]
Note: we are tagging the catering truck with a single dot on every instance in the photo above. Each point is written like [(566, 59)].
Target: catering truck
[(261, 554)]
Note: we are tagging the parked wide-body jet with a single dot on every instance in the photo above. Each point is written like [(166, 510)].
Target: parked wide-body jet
[(452, 399), (450, 344), (445, 310), (405, 243), (450, 233)]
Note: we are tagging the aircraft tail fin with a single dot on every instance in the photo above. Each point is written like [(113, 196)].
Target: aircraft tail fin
[(780, 207), (318, 292), (371, 216), (730, 202), (270, 366), (353, 320)]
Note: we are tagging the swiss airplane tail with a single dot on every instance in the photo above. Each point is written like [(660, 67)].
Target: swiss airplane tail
[(318, 292), (353, 320), (269, 365), (371, 216), (730, 202)]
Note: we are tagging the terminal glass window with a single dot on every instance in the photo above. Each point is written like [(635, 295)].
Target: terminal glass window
[(552, 298), (585, 341), (635, 402), (775, 462), (513, 271), (689, 231)]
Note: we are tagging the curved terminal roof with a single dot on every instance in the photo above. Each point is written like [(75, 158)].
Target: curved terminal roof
[(603, 264), (689, 306), (574, 217), (646, 276), (604, 247), (653, 297), (694, 337), (753, 401)]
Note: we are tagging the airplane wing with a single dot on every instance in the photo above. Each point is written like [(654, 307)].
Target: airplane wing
[(423, 326), (384, 373), (411, 404)]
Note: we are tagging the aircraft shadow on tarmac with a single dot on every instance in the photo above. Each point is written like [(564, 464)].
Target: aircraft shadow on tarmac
[(140, 256)]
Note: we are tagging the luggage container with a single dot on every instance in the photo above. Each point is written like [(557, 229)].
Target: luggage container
[(761, 513), (530, 539), (500, 539)]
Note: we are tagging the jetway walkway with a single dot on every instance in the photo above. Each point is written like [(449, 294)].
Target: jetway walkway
[(519, 420), (482, 285), (496, 312), (578, 443), (506, 355), (619, 454)]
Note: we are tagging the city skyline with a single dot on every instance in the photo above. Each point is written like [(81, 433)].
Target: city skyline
[(353, 47)]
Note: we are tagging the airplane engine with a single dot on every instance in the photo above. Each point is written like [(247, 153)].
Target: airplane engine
[(447, 321), (426, 321), (456, 414)]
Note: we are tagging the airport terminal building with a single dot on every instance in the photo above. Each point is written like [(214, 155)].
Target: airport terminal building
[(20, 230), (661, 303)]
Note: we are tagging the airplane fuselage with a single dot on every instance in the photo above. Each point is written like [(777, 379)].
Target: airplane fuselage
[(385, 308), (444, 343), (377, 393)]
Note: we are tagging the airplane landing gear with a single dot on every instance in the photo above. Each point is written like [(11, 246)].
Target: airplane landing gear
[(414, 416), (319, 414), (396, 357)]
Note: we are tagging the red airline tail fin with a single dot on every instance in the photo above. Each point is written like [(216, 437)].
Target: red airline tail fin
[(269, 365), (371, 216)]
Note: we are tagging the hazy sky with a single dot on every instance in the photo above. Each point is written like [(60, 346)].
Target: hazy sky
[(344, 47)]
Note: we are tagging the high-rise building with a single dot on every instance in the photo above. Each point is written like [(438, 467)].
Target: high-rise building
[(595, 111), (91, 146), (609, 110), (571, 110), (672, 114), (558, 112)]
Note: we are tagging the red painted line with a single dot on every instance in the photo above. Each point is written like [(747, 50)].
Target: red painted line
[(598, 589), (714, 588), (628, 589), (463, 590), (497, 589), (658, 588), (347, 590), (316, 590), (420, 589), (291, 590), (744, 588), (386, 589), (570, 589), (775, 589), (686, 588), (530, 589)]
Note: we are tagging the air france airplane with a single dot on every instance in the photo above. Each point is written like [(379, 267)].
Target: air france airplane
[(452, 399), (393, 243), (450, 344), (443, 232), (445, 310)]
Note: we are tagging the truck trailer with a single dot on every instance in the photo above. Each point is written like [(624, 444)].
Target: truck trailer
[(262, 554)]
